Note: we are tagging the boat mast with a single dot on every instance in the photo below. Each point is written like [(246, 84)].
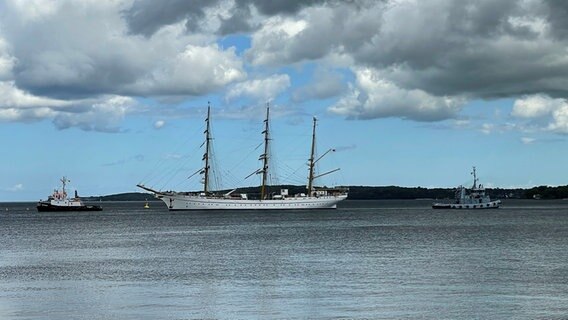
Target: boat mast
[(64, 181), (312, 162), (264, 157), (207, 149), (474, 178)]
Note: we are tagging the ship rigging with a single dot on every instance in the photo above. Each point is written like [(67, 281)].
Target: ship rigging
[(314, 198)]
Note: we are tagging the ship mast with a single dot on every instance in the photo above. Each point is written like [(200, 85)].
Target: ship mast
[(64, 181), (474, 178), (312, 161), (207, 149), (264, 156)]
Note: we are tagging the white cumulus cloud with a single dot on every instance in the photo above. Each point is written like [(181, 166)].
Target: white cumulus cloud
[(270, 45), (559, 121), (260, 89), (104, 115), (15, 188), (375, 97), (527, 140), (7, 61), (159, 124), (78, 64), (98, 55), (548, 114), (535, 106), (194, 71), (13, 97)]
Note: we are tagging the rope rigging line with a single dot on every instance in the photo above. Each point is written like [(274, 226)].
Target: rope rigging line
[(165, 175), (154, 171), (292, 175)]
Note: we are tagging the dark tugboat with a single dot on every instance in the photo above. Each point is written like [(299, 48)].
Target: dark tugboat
[(58, 201)]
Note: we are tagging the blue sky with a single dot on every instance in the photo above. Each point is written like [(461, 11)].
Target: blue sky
[(114, 93)]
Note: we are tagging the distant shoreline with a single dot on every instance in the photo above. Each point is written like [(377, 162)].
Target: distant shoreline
[(375, 193)]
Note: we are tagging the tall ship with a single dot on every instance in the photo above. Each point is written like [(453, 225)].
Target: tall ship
[(313, 198), (475, 198), (59, 201)]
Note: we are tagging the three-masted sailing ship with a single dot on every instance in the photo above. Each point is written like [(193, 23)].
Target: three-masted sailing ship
[(314, 198)]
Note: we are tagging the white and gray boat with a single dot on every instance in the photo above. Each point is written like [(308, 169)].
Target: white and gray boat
[(476, 198), (313, 198)]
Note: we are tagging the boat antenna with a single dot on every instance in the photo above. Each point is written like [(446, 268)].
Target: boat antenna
[(474, 178), (312, 161), (264, 156), (207, 149)]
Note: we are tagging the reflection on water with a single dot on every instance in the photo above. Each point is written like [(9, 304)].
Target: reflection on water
[(373, 259)]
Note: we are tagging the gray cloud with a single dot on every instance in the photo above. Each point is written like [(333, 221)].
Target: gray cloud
[(78, 52), (481, 49), (238, 22), (443, 47), (147, 16), (419, 60), (557, 14), (280, 6), (83, 67)]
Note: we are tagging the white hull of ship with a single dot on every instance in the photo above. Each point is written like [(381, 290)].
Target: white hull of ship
[(190, 202), (486, 205)]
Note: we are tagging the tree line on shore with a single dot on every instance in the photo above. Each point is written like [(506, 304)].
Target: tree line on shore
[(381, 193)]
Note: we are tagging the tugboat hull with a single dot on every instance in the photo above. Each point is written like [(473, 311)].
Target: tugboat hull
[(488, 205), (47, 207)]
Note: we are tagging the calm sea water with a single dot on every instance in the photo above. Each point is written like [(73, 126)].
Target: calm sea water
[(376, 259)]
